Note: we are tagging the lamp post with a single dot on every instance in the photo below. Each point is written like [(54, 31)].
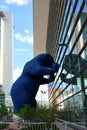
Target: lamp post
[(42, 95)]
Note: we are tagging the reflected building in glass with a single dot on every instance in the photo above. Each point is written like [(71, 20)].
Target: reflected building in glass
[(83, 38)]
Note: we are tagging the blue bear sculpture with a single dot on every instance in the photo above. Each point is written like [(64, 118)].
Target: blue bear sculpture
[(25, 88)]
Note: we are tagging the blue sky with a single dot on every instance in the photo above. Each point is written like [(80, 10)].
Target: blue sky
[(23, 36), (23, 32)]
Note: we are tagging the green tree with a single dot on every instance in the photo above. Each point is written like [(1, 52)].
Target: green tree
[(47, 114), (41, 114), (27, 113), (3, 111)]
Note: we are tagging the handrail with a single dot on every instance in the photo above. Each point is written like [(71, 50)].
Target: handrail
[(74, 126)]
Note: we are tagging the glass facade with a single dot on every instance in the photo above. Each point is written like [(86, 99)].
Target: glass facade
[(2, 96), (67, 42)]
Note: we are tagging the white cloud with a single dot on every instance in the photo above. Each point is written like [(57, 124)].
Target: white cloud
[(3, 7), (18, 2), (24, 38), (16, 73), (21, 50), (26, 31)]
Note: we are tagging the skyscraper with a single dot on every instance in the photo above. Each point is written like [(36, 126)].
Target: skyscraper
[(6, 50)]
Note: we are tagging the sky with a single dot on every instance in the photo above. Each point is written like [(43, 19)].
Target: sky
[(22, 11)]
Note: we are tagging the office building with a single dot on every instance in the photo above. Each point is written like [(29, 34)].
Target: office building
[(6, 50), (60, 28), (2, 96)]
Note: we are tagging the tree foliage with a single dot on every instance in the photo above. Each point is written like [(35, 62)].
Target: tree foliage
[(3, 110), (40, 114)]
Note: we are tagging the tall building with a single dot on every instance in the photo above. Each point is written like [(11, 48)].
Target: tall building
[(6, 50), (2, 96), (60, 28)]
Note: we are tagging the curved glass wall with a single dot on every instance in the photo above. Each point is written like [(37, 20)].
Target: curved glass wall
[(68, 93)]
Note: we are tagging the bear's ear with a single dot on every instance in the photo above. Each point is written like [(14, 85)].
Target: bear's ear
[(47, 54)]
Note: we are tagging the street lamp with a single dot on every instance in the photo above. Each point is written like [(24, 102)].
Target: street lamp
[(42, 93)]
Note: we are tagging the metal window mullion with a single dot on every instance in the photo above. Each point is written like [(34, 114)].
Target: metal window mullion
[(59, 20), (77, 57), (61, 91), (49, 34), (56, 89), (81, 51), (76, 21), (82, 83), (64, 24), (54, 86), (73, 11), (69, 83), (61, 25), (86, 4), (67, 14), (71, 96), (58, 79), (51, 91), (73, 30), (80, 32)]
